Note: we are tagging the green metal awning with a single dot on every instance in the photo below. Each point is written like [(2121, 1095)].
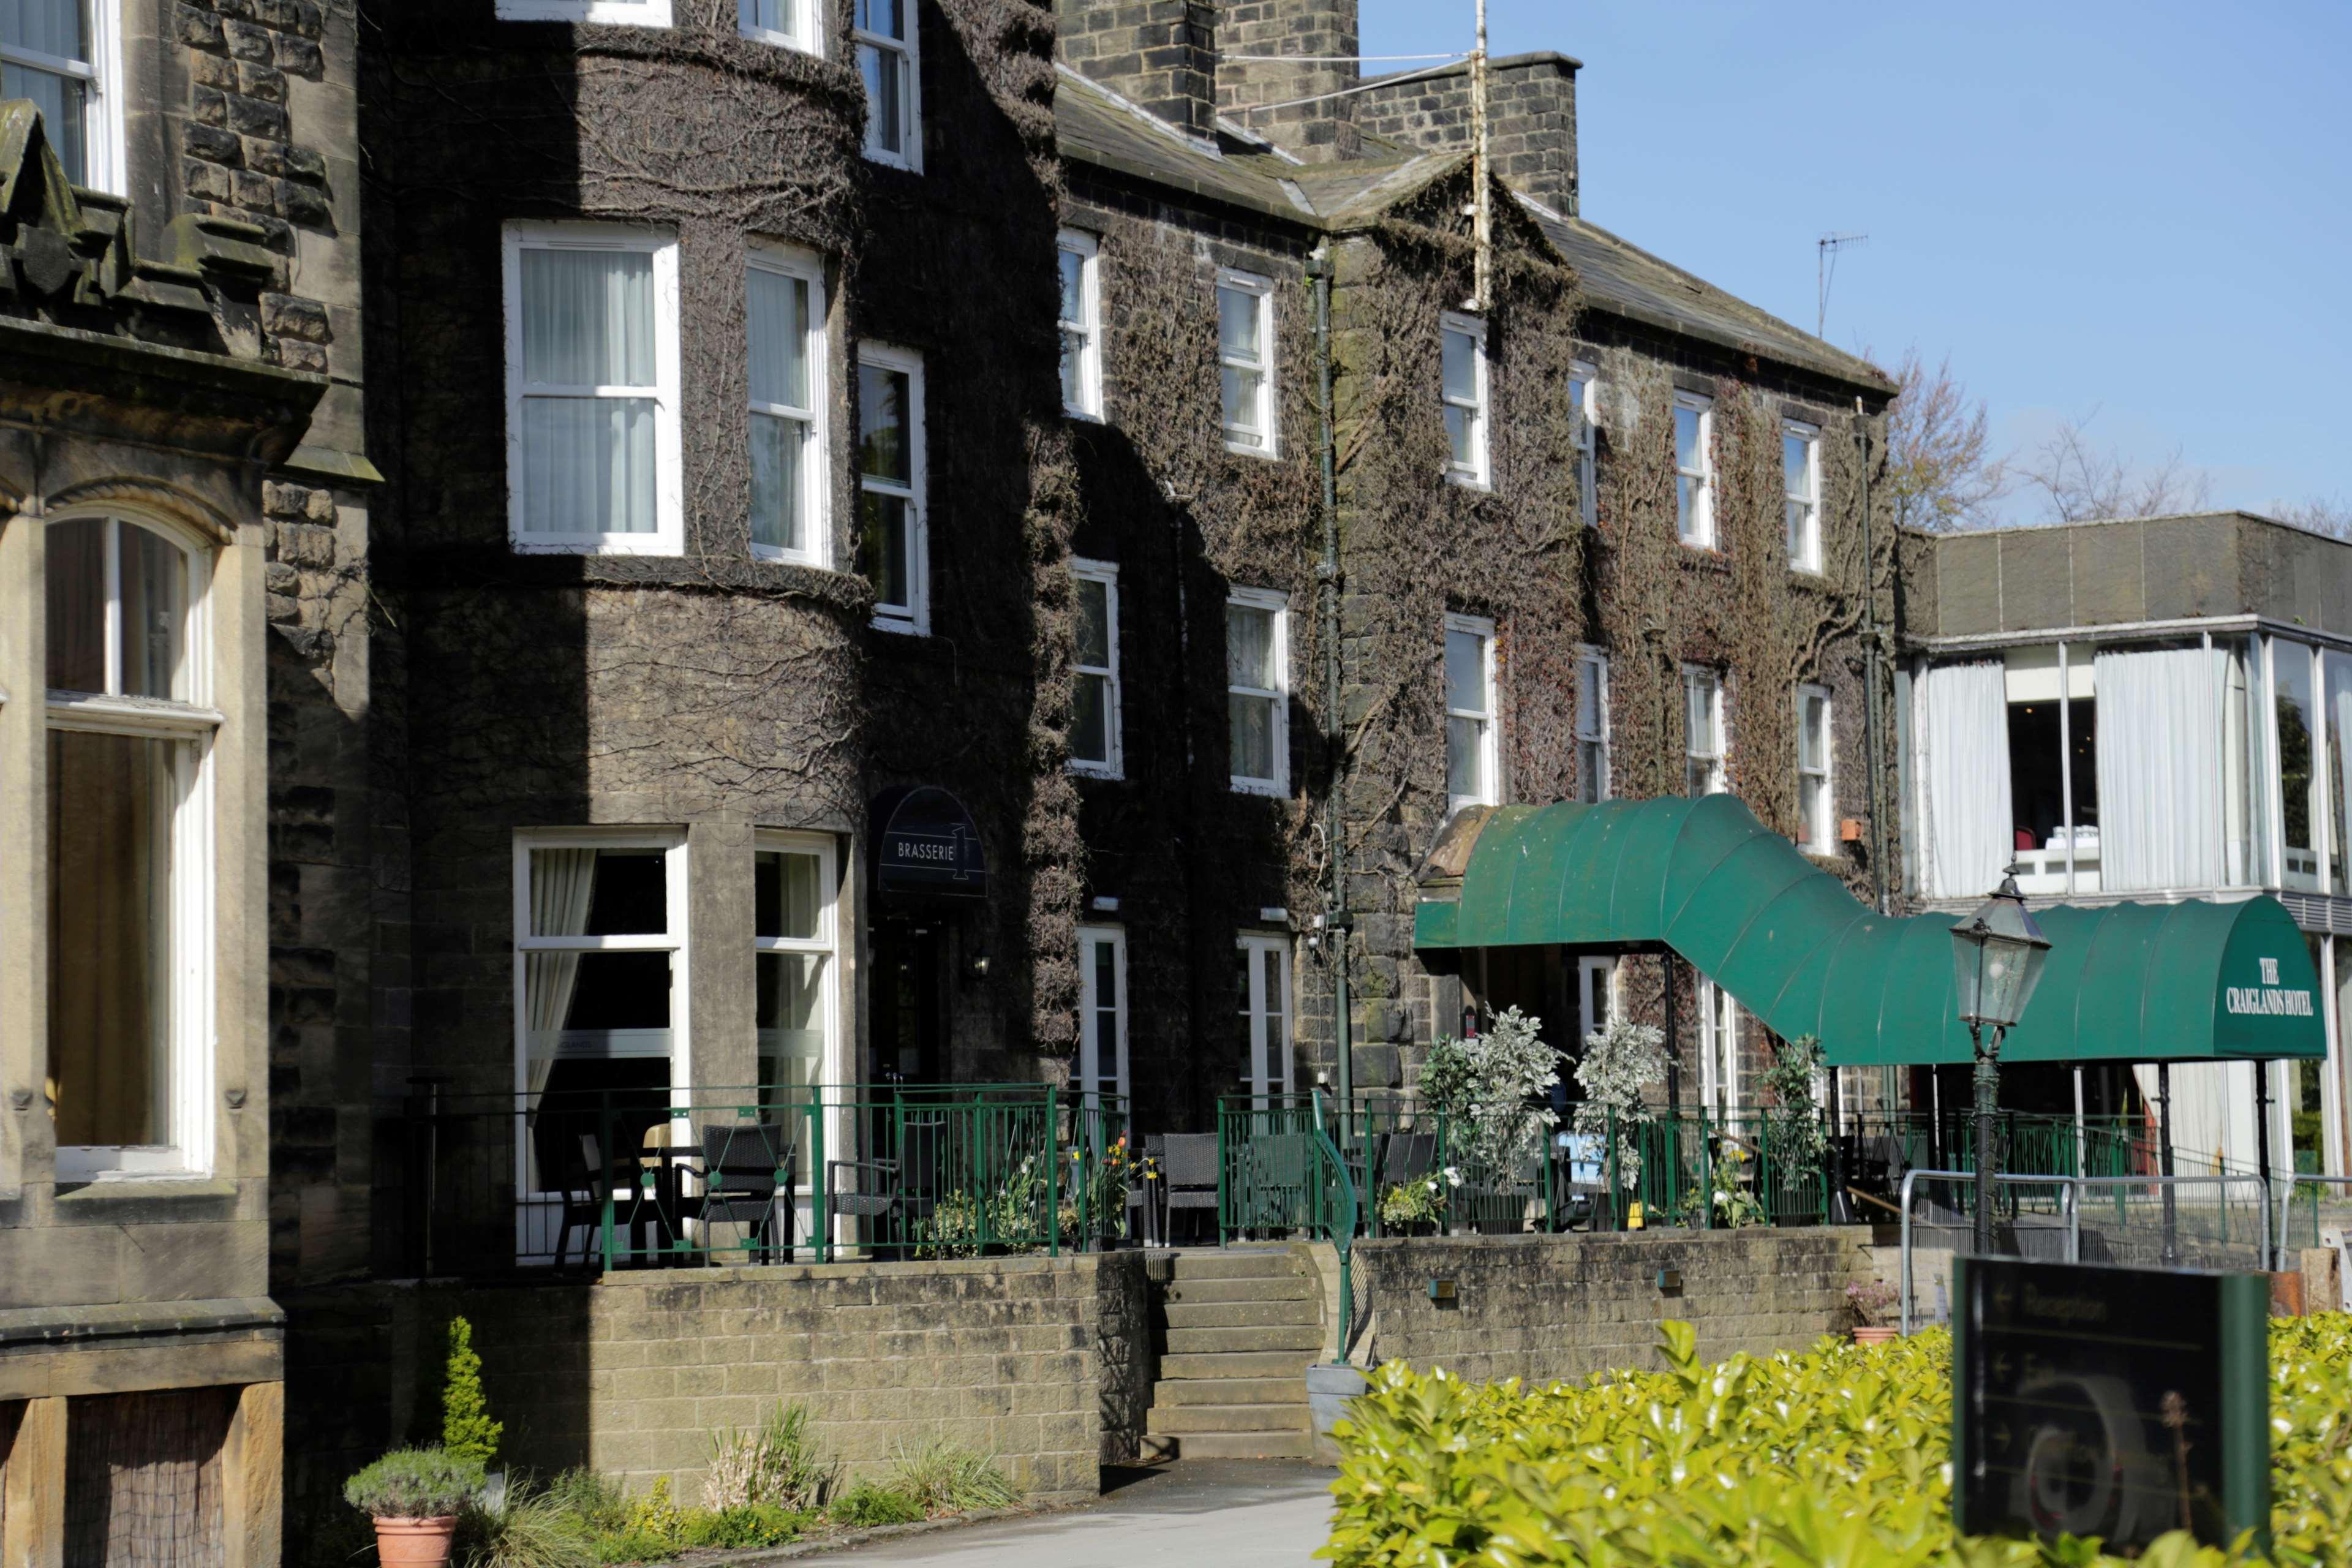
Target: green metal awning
[(2130, 982)]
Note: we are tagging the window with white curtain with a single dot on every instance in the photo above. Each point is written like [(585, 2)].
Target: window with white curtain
[(625, 13), (1592, 725), (1266, 1010), (1816, 806), (1584, 406), (2301, 819), (2337, 707), (130, 729), (793, 947), (1470, 749), (1080, 257), (591, 389), (784, 312), (1704, 746), (1719, 1046), (885, 37), (1960, 741), (1462, 344), (2159, 815), (1102, 1015), (601, 1007), (793, 24), (1694, 470), (1095, 712), (1800, 485), (63, 55), (1257, 689), (893, 489), (1245, 361)]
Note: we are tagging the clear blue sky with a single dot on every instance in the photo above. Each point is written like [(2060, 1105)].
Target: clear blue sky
[(2142, 208)]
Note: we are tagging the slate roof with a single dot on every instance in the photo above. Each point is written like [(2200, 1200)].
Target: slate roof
[(1095, 125)]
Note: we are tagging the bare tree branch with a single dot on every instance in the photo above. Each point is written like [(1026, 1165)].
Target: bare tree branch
[(1941, 470), (2080, 480)]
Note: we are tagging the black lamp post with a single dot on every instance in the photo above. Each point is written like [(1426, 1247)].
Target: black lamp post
[(1997, 956)]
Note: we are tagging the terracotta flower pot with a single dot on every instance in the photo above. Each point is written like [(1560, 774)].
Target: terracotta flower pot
[(414, 1542), (1876, 1334)]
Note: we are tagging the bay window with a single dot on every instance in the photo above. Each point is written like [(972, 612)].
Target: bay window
[(1245, 361), (1694, 470), (130, 727), (784, 313), (1801, 486), (885, 37), (1816, 807), (1080, 259), (1463, 343), (1703, 741), (1470, 749), (892, 488), (591, 389), (1095, 710), (62, 55), (1257, 689)]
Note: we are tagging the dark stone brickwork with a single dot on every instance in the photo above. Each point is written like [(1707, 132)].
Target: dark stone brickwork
[(1320, 37), (1160, 55), (1530, 120)]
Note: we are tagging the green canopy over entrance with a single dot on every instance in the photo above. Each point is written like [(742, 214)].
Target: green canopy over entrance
[(2123, 982)]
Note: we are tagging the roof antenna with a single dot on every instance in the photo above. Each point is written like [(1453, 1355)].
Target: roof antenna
[(1483, 265), (1826, 251)]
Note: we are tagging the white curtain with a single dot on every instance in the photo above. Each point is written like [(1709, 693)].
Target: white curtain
[(561, 884), (1966, 821), (2159, 769), (587, 322), (2339, 743)]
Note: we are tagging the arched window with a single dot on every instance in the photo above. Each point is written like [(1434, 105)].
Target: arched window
[(129, 839)]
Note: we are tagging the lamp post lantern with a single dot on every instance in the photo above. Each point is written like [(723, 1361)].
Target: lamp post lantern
[(1997, 956)]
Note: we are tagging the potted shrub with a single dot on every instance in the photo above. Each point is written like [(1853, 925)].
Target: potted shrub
[(1416, 1207), (1870, 1300), (414, 1496)]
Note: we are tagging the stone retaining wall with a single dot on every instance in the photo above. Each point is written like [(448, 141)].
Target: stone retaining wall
[(1041, 1361), (1544, 1307)]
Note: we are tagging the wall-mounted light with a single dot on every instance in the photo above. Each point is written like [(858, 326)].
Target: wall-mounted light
[(978, 968)]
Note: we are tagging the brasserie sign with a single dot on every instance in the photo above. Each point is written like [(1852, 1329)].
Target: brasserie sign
[(925, 842)]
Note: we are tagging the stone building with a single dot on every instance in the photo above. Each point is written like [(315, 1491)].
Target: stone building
[(184, 495)]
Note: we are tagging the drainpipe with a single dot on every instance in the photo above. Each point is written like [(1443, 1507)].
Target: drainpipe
[(1870, 671), (1336, 924)]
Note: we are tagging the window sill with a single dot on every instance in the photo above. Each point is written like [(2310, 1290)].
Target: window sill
[(901, 625), (781, 41), (653, 14), (777, 556), (1470, 482), (131, 1186), (1265, 789), (1798, 569), (602, 544), (892, 161), (1267, 454), (1087, 416), (1098, 771)]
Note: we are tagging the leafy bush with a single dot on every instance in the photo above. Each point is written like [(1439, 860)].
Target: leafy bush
[(775, 1465), (526, 1528), (1840, 1456), (415, 1483), (752, 1524), (943, 1477), (1619, 1063), (1420, 1201), (467, 1429), (864, 1505), (1800, 1134), (1495, 1088), (595, 1496)]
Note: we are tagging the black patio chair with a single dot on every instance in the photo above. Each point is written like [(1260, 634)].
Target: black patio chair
[(749, 1172), (585, 1180), (1407, 1156), (902, 1191), (1189, 1184)]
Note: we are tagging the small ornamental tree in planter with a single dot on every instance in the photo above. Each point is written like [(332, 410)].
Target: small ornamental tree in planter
[(1620, 1061), (414, 1496), (1870, 1300)]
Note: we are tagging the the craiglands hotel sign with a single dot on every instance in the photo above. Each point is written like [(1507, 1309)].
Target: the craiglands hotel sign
[(2269, 996)]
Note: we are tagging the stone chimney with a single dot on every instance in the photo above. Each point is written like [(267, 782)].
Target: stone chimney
[(1318, 34), (1159, 54), (1530, 120)]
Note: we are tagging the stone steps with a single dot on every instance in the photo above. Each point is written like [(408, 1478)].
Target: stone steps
[(1249, 1288), (1235, 1329), (1237, 1364), (1302, 1338), (1273, 1262), (1190, 1420), (1175, 1390), (1241, 1314), (1247, 1446)]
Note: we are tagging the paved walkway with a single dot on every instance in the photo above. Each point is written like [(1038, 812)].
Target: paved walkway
[(1233, 1513)]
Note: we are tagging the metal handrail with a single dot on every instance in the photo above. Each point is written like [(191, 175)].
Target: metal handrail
[(1344, 1229)]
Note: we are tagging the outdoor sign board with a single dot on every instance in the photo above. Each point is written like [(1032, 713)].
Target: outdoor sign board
[(925, 843), (2120, 1403)]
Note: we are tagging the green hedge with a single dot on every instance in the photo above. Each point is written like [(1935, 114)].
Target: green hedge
[(1835, 1458)]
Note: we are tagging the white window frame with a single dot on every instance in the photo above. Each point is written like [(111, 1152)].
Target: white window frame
[(1106, 572), (1805, 547), (1087, 328), (105, 147), (1718, 1043), (1279, 693), (1596, 991), (1268, 445), (1697, 530), (911, 124), (1718, 761), (667, 536), (619, 13), (914, 617), (1820, 828), (193, 722), (816, 468), (1490, 748), (671, 844), (1585, 375), (1477, 472), (807, 34), (1090, 1063), (1268, 1075), (1592, 665), (833, 1063)]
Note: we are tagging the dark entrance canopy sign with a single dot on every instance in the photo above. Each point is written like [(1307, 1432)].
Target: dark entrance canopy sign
[(2125, 983), (925, 842)]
